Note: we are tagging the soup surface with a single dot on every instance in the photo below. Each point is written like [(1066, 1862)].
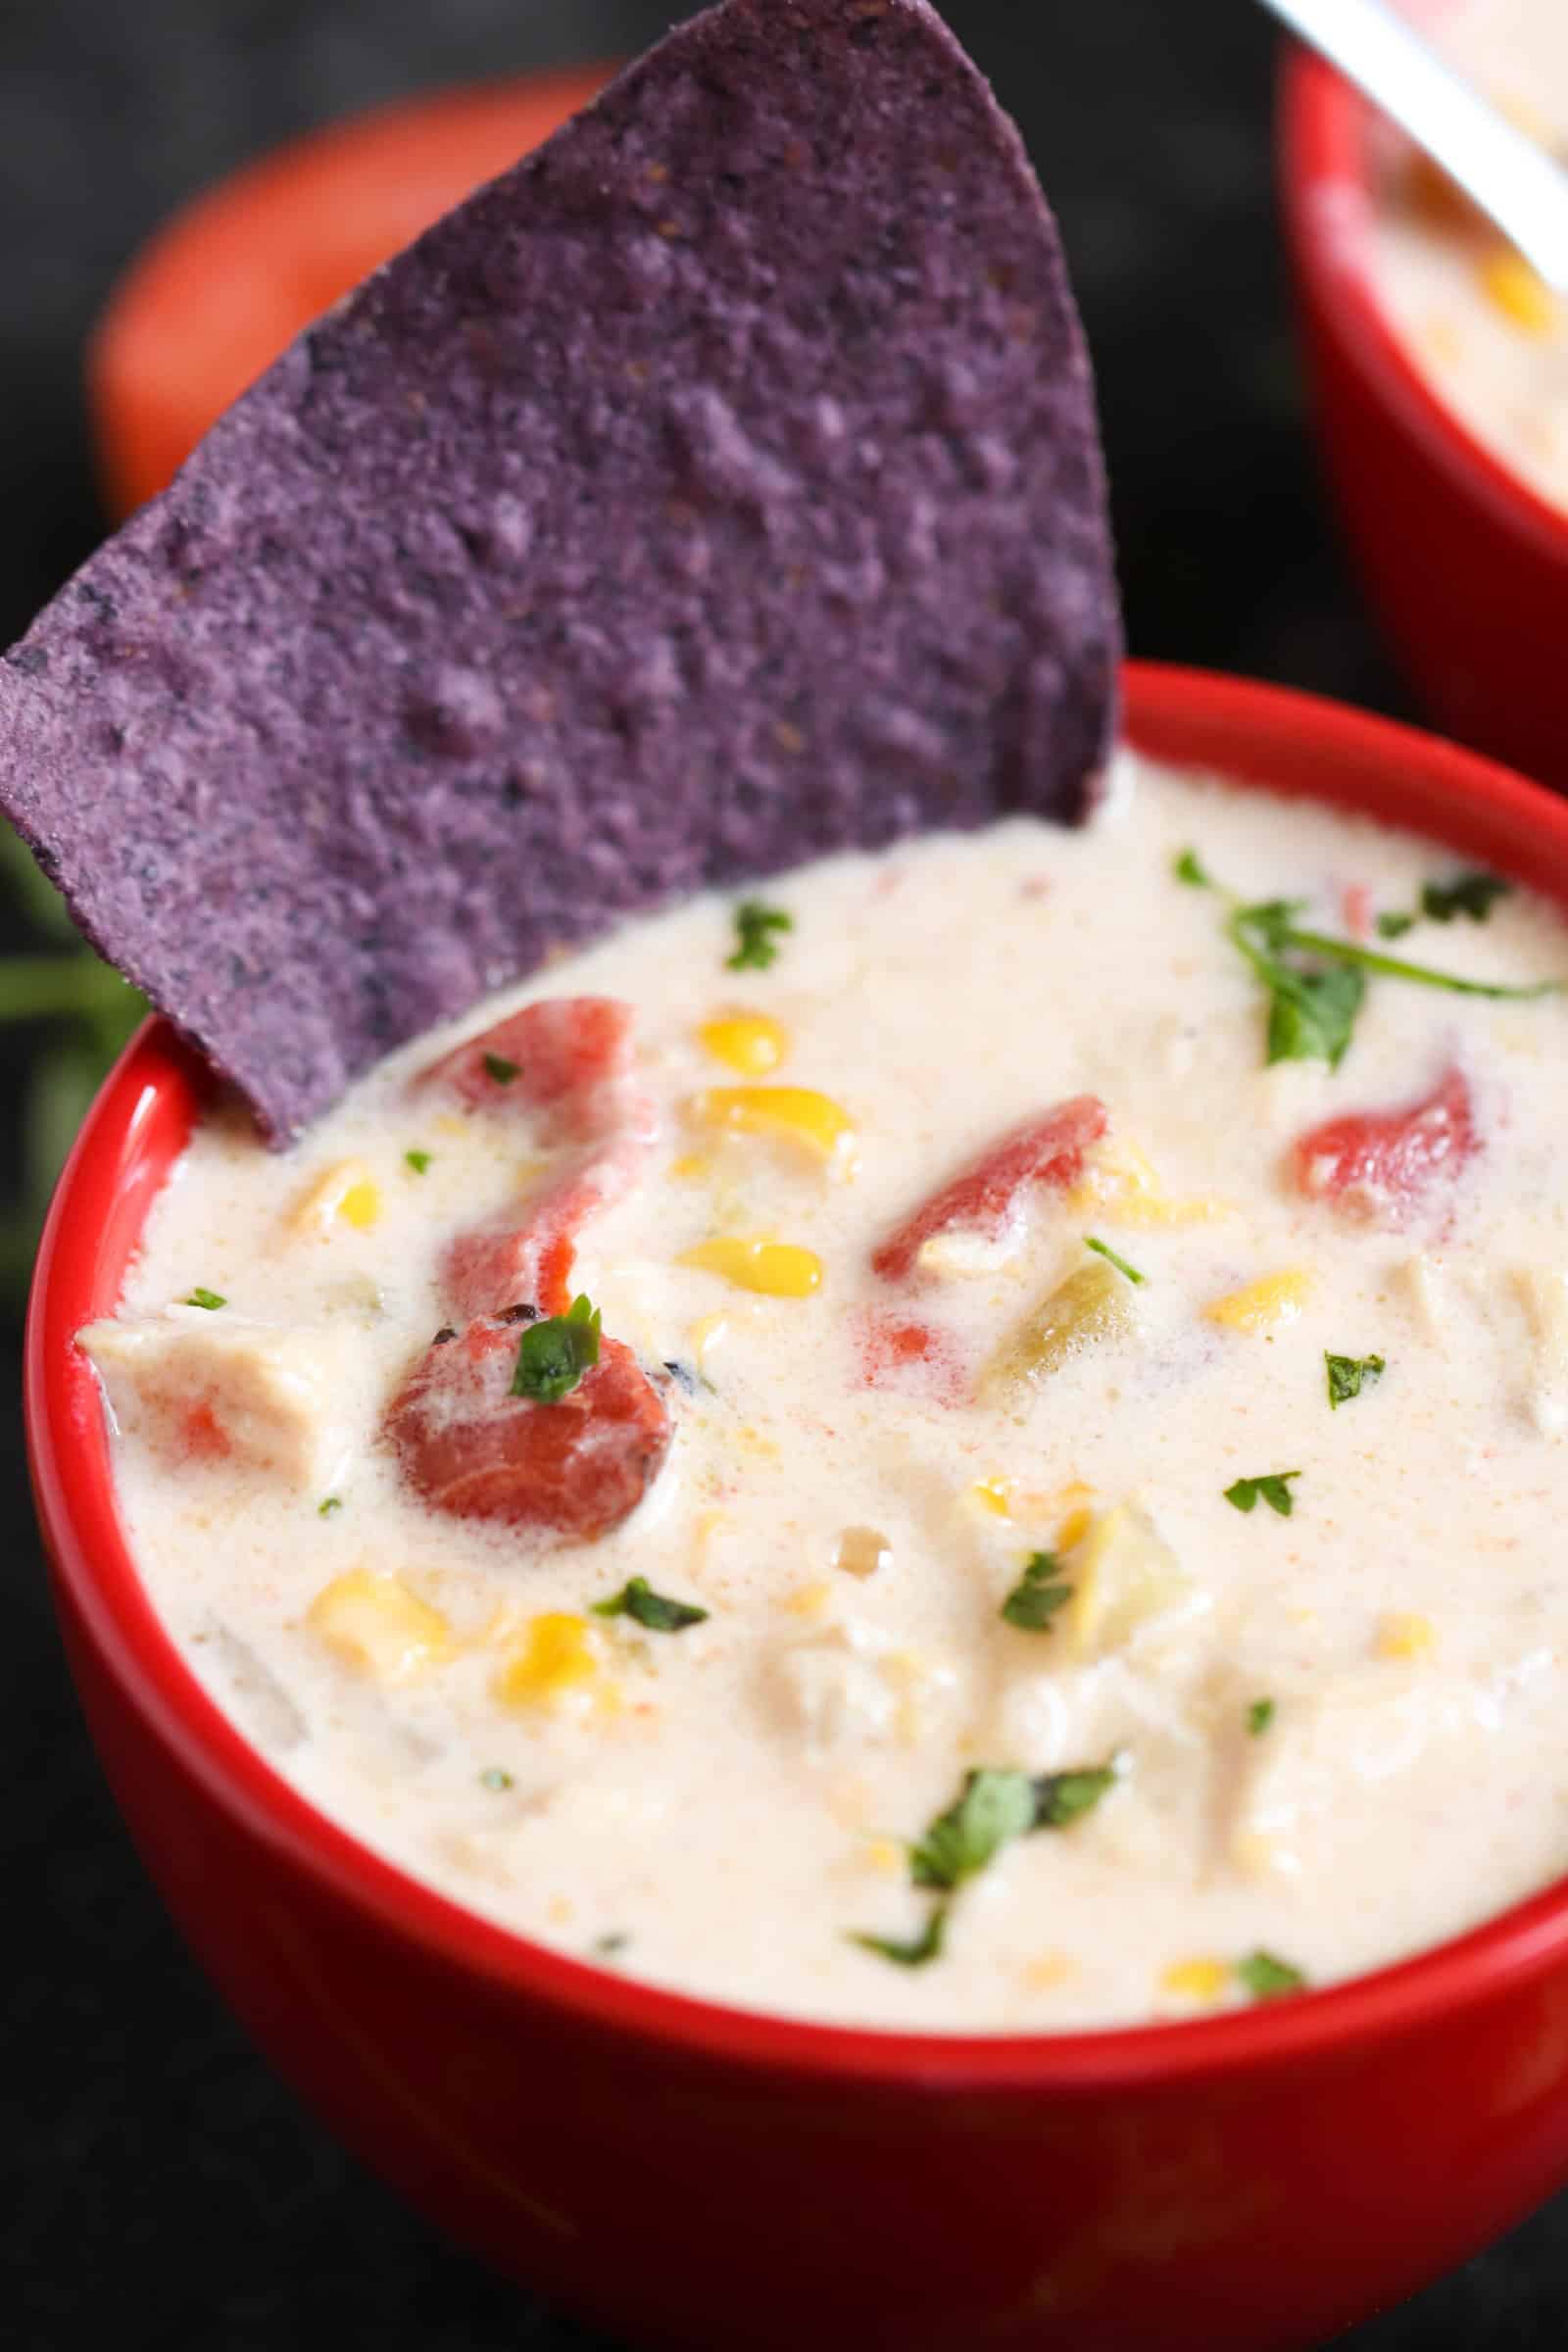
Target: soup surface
[(1482, 325), (1062, 1526)]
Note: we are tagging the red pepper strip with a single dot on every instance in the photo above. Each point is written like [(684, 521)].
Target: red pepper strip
[(1381, 1165), (1047, 1153)]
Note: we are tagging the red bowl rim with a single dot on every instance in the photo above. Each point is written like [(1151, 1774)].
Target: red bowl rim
[(121, 1157), (1326, 187)]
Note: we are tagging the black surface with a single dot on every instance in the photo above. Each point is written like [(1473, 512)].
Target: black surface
[(166, 2192)]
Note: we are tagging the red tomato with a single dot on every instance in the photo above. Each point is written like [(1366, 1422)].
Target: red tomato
[(526, 1258), (568, 1057), (1047, 1152), (225, 284), (1384, 1165), (470, 1448)]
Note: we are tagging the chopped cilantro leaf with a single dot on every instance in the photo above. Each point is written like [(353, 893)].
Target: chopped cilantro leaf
[(1103, 1250), (1267, 1977), (1395, 926), (754, 926), (913, 1951), (991, 1809), (418, 1161), (1348, 1374), (500, 1068), (1037, 1596), (1259, 1715), (1064, 1797), (329, 1506), (616, 1941), (1472, 894), (553, 1355), (660, 1615), (1272, 1487), (199, 1297), (1188, 868), (496, 1776)]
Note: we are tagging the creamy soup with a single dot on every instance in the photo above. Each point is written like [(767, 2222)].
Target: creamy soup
[(1491, 336), (1060, 1525)]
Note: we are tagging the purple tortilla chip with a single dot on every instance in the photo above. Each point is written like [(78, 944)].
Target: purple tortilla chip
[(719, 487)]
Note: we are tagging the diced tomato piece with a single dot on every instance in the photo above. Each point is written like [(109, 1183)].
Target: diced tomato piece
[(525, 1258), (566, 1057), (912, 1356), (1047, 1153), (1385, 1164), (474, 1449)]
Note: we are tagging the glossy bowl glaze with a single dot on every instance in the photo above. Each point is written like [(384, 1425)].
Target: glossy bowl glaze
[(691, 2176), (1466, 567)]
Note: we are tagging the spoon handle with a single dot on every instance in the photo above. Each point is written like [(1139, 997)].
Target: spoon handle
[(1522, 190)]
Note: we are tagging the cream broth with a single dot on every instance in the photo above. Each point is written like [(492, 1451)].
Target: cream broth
[(1483, 327), (1327, 1738)]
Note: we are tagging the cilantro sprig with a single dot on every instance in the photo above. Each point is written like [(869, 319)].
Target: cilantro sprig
[(1037, 1596), (638, 1600), (993, 1807), (553, 1355), (1316, 984)]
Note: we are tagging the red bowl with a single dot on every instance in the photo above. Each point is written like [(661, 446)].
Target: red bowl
[(1466, 567), (686, 2175)]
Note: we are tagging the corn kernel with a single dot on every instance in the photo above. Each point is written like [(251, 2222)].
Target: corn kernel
[(361, 1205), (1200, 1980), (1404, 1634), (1512, 288), (1074, 1527), (798, 1114), (776, 1269), (861, 1551), (1264, 1306), (1120, 1184), (346, 1190), (748, 1042), (376, 1624), (993, 1494), (557, 1654), (1048, 1971), (810, 1600)]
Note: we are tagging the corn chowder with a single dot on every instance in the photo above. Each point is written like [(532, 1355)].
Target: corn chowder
[(1490, 334), (973, 1441)]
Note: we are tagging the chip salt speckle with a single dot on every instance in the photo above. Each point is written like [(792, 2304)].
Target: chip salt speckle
[(719, 487)]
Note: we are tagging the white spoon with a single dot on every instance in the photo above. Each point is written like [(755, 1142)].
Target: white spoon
[(1502, 171)]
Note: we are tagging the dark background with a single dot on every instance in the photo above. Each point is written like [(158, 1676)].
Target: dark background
[(167, 2192)]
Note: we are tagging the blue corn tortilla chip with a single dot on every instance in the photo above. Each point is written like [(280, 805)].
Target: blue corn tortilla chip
[(719, 487)]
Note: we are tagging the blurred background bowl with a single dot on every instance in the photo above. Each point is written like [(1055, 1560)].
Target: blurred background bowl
[(1465, 566)]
